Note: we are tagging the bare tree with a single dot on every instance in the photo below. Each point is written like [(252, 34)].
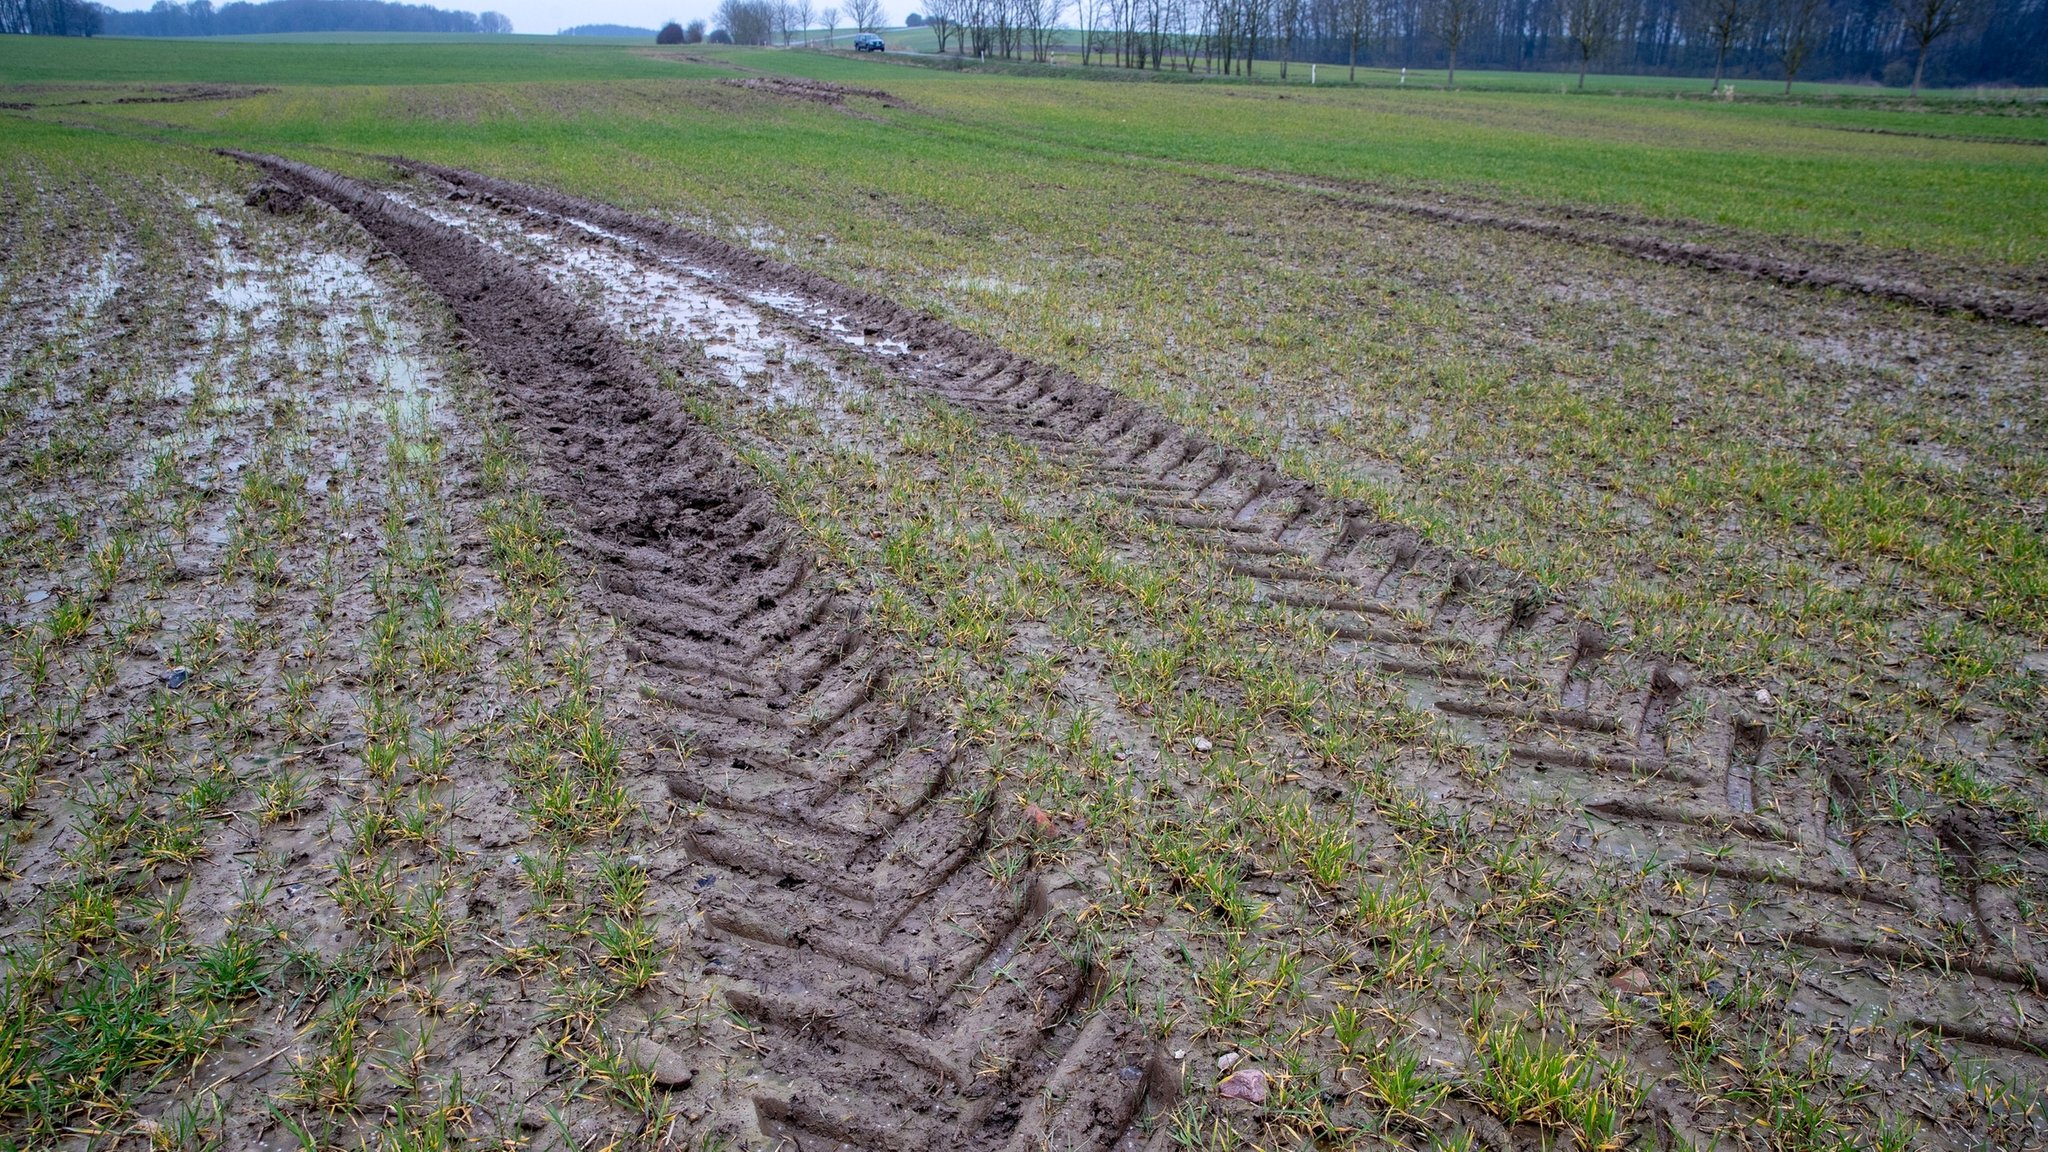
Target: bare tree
[(1286, 26), (1722, 23), (1591, 25), (1796, 26), (938, 16), (1039, 20), (748, 21), (1452, 21), (830, 16), (800, 12), (1186, 22), (1353, 21), (866, 15), (1927, 21), (1088, 14), (1251, 20)]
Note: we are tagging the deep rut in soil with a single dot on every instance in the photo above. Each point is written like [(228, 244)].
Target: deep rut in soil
[(904, 1000), (1790, 830)]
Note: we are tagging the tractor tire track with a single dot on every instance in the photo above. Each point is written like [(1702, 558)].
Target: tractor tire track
[(1662, 766), (2009, 296), (902, 1000)]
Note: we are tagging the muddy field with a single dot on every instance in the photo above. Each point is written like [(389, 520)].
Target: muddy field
[(490, 668)]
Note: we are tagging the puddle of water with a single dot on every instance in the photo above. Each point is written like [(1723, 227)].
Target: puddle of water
[(99, 285), (674, 299), (352, 329), (989, 285), (794, 305)]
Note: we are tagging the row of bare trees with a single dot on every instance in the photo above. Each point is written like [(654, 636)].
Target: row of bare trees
[(762, 21), (49, 17), (1893, 40)]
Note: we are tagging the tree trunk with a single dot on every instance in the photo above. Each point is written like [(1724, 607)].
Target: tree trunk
[(1720, 58), (1451, 76), (1582, 73), (1919, 67), (1354, 58)]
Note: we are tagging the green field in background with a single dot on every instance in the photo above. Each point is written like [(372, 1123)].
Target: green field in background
[(1957, 175)]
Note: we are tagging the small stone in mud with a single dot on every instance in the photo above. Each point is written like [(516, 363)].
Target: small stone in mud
[(1248, 1085), (176, 677), (1633, 981), (667, 1066), (1204, 744), (1227, 1061), (1130, 1074)]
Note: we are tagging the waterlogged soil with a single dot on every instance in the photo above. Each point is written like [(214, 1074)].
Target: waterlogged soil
[(274, 872), (1816, 913), (907, 746)]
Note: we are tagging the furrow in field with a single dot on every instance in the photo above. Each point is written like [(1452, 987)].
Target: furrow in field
[(903, 999)]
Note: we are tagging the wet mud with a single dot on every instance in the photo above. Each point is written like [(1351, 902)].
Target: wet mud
[(843, 911), (1669, 773), (811, 91)]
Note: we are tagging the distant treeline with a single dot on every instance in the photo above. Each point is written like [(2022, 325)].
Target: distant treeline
[(201, 18), (1960, 42), (50, 17), (608, 30)]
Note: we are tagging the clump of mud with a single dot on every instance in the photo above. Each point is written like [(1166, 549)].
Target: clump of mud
[(276, 199)]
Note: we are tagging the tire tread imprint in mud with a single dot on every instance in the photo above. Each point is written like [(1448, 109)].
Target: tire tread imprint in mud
[(902, 999), (1789, 826), (1917, 280)]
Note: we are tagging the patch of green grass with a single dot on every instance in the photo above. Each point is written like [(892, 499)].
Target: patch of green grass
[(1769, 167)]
